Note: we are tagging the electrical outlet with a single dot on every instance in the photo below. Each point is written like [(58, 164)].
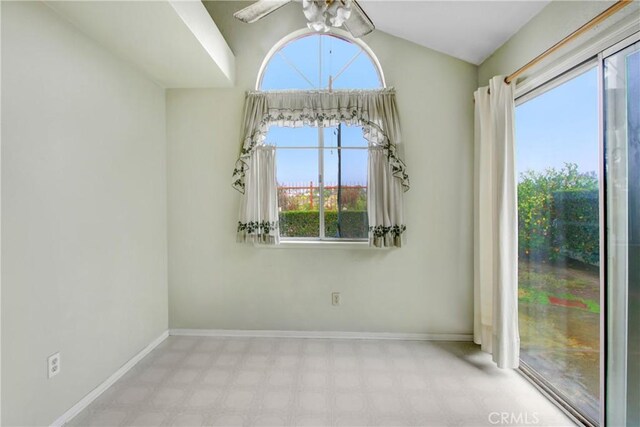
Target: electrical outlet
[(335, 298), (53, 363)]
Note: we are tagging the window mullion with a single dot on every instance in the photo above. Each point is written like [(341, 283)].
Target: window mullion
[(347, 65), (321, 180)]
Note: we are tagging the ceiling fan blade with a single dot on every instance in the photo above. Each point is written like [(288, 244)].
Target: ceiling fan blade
[(358, 24), (259, 10)]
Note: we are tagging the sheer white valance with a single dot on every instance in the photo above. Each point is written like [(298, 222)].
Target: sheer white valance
[(374, 110)]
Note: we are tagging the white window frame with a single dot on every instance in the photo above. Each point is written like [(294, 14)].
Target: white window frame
[(322, 240), (320, 148)]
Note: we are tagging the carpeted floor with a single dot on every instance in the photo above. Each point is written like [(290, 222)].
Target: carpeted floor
[(193, 381)]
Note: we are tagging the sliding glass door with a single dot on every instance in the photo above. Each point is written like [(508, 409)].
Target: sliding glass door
[(558, 158), (622, 151), (578, 160)]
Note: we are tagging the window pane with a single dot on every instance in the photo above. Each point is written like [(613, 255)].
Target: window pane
[(558, 232), (345, 193), (292, 137), (298, 193), (352, 136), (622, 142), (304, 54), (347, 64), (308, 62), (280, 75), (361, 74), (336, 53)]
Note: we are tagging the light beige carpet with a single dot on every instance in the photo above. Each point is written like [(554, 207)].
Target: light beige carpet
[(193, 381)]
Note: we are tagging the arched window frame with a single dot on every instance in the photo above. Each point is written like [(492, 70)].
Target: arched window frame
[(304, 32), (371, 105)]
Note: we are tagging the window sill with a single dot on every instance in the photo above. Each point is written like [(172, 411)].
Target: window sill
[(319, 244)]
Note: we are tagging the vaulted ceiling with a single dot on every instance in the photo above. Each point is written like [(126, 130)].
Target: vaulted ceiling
[(468, 30)]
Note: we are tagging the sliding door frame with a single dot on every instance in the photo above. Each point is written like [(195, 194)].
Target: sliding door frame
[(614, 382), (581, 61)]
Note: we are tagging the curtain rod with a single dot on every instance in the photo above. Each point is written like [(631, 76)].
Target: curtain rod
[(586, 27)]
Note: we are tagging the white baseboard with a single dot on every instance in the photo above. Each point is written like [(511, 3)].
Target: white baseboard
[(320, 334), (96, 392)]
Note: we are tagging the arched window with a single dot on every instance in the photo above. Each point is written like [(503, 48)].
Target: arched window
[(319, 157), (308, 61), (321, 172)]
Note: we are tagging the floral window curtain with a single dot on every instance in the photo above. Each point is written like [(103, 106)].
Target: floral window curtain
[(374, 110), (258, 221)]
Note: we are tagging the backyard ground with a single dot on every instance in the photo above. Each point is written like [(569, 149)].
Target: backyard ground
[(559, 314)]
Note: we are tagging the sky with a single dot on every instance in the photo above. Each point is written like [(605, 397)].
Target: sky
[(560, 126)]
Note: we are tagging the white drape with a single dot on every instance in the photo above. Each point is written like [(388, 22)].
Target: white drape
[(496, 226), (374, 110), (258, 221)]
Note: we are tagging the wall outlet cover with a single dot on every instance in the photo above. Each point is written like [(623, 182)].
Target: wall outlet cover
[(335, 298), (53, 365)]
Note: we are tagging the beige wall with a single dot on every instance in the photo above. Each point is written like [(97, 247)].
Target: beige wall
[(425, 287), (83, 213)]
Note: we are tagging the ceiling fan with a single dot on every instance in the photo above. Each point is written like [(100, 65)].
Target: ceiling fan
[(321, 14)]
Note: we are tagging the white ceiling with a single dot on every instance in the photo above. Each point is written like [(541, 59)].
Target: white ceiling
[(468, 30)]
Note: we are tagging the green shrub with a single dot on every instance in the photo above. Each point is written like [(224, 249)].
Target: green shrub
[(550, 222), (354, 224), (576, 229), (299, 223)]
